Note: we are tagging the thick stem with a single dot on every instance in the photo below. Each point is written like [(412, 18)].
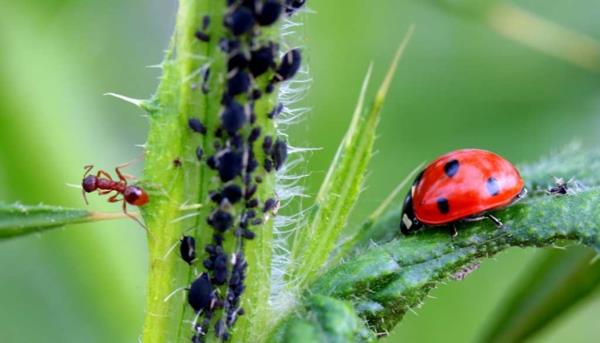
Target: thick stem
[(187, 92)]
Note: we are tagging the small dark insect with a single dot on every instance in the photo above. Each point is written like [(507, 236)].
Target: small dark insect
[(205, 75), (201, 294), (290, 64), (220, 220), (239, 21), (199, 153), (276, 111), (279, 153), (237, 61), (187, 249), (562, 187), (271, 205), (233, 117), (202, 36), (250, 191), (261, 60), (205, 22), (268, 12), (267, 144), (254, 134), (291, 6), (132, 195), (238, 83), (177, 162), (196, 126), (252, 203), (233, 193), (229, 165)]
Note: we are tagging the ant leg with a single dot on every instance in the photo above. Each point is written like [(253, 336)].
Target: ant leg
[(135, 218), (114, 198), (496, 221), (103, 173), (88, 168), (121, 177)]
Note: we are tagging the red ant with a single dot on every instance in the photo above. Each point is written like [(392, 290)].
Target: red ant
[(131, 194)]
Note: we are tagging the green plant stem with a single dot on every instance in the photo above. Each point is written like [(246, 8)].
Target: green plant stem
[(178, 99), (169, 139)]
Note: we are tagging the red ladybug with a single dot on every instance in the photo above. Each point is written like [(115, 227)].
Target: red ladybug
[(461, 185)]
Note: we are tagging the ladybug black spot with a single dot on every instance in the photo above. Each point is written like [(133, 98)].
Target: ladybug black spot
[(451, 168), (443, 205), (492, 186)]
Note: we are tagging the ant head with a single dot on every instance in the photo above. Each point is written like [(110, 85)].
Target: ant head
[(89, 184), (135, 196)]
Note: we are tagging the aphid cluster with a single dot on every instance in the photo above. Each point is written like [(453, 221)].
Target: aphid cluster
[(242, 154)]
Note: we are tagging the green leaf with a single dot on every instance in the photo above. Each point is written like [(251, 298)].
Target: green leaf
[(557, 283), (340, 189), (18, 220), (326, 320), (388, 280)]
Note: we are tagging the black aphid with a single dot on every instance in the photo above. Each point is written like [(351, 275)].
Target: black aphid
[(216, 197), (233, 117), (205, 22), (196, 126), (233, 193), (200, 293), (238, 83), (229, 165), (237, 61), (199, 153), (211, 162), (254, 134), (291, 6), (276, 111), (202, 36), (205, 75), (255, 94), (220, 220), (270, 205), (250, 191), (239, 21), (268, 12), (261, 60), (279, 153), (252, 203), (268, 165), (187, 249), (290, 64), (267, 144)]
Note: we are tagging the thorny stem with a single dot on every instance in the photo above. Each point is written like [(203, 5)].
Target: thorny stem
[(173, 185)]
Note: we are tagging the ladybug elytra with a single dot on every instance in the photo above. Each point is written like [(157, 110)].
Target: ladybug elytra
[(462, 185)]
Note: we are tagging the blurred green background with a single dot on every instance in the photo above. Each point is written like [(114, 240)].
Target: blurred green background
[(460, 84)]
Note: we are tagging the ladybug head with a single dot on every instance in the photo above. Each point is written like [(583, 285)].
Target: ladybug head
[(408, 221)]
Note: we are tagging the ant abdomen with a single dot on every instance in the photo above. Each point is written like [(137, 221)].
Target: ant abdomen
[(135, 196)]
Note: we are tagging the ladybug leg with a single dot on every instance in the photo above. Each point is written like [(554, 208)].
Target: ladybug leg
[(453, 230), (495, 220)]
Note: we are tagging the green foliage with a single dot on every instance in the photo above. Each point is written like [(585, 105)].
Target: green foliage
[(342, 185), (557, 283), (394, 274), (18, 220), (324, 319)]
